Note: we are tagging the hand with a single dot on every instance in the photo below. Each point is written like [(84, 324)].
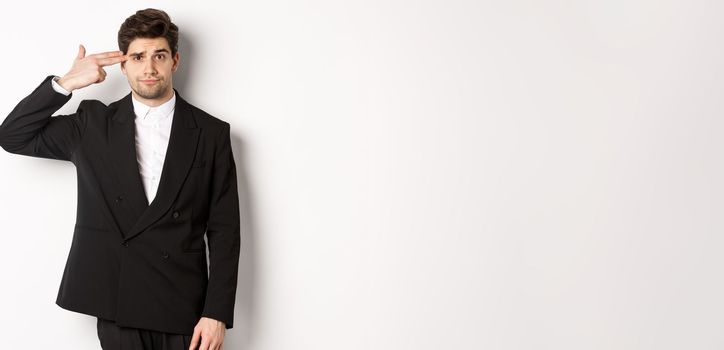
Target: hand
[(211, 332), (89, 70)]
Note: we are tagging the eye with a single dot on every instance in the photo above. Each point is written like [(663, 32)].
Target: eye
[(137, 58), (160, 56)]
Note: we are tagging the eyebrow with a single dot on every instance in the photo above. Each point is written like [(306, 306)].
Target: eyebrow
[(141, 53)]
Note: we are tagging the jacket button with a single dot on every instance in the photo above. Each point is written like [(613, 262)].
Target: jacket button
[(175, 214), (165, 255), (124, 243)]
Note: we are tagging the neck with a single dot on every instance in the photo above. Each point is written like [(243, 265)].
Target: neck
[(155, 102)]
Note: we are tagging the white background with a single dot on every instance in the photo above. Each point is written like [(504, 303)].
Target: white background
[(419, 174)]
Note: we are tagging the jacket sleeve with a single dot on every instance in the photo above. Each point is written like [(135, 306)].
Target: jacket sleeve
[(30, 130), (223, 234)]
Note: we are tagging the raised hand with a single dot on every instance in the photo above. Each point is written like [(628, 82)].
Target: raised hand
[(88, 70)]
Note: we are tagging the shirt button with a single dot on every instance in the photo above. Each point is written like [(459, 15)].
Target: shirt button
[(119, 199), (164, 254), (175, 214)]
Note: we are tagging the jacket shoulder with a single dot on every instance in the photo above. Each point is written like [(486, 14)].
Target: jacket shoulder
[(92, 103), (97, 106), (206, 120)]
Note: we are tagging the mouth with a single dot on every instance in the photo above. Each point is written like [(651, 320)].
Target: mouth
[(149, 82)]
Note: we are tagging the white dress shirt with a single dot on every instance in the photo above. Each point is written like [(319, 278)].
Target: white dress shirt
[(153, 130)]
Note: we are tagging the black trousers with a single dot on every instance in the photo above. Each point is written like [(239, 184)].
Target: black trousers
[(113, 337)]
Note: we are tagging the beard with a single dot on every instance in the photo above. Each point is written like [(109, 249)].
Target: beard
[(153, 91)]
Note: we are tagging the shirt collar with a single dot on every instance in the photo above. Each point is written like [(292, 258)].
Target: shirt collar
[(144, 111)]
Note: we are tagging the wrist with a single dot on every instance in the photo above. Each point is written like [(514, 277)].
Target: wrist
[(64, 84)]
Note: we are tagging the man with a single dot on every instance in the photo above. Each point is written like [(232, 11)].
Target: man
[(155, 174)]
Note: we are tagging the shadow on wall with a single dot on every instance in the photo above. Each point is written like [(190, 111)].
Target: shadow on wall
[(244, 311), (183, 74)]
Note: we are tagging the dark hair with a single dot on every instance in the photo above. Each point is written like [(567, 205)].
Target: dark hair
[(148, 23)]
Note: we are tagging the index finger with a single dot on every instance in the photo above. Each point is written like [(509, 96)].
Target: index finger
[(111, 60), (106, 54)]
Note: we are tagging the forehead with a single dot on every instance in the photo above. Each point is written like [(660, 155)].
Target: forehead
[(148, 45)]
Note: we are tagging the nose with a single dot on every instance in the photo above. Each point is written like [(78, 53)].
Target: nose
[(149, 67)]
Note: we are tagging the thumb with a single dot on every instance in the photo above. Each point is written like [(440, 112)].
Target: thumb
[(81, 52), (195, 340)]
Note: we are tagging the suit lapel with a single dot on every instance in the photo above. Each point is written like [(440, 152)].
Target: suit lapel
[(122, 146), (179, 156)]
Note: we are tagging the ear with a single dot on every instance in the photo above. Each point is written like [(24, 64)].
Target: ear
[(176, 60)]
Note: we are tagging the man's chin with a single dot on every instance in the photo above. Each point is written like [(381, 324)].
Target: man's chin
[(150, 95)]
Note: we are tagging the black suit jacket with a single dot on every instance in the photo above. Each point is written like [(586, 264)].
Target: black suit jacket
[(142, 265)]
